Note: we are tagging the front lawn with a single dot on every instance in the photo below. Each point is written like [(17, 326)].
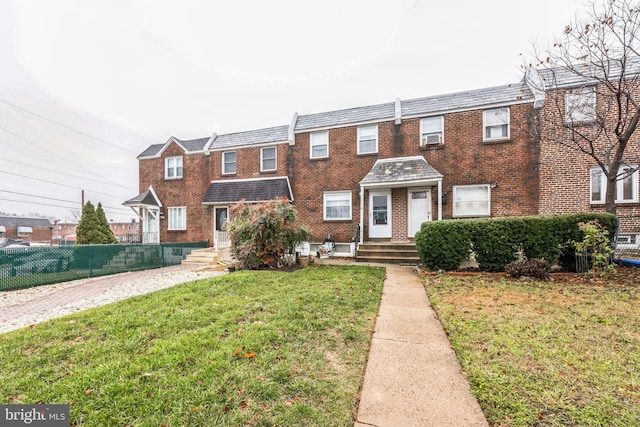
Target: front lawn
[(558, 353), (248, 348)]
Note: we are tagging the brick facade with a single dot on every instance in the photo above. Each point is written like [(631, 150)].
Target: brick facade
[(41, 229)]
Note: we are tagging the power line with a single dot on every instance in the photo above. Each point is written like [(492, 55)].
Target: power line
[(66, 126), (52, 198), (106, 208), (57, 183), (54, 154), (62, 173)]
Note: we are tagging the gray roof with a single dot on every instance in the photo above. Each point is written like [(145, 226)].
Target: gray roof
[(498, 95), (151, 151), (146, 198), (401, 170), (587, 74), (251, 137), (249, 190), (194, 144), (346, 117), (25, 222)]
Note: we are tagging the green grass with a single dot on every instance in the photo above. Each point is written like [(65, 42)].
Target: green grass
[(248, 348), (545, 353)]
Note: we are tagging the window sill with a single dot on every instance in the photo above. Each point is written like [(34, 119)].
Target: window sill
[(173, 178), (497, 141), (333, 221), (432, 147), (269, 172), (316, 159), (177, 229), (367, 154)]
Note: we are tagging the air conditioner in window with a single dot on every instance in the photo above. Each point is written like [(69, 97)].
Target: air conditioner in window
[(434, 138)]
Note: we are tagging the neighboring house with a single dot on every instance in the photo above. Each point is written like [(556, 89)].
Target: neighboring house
[(33, 230), (126, 232), (378, 171), (571, 181), (64, 232)]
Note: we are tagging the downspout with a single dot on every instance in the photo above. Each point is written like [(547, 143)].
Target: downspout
[(361, 214), (440, 200)]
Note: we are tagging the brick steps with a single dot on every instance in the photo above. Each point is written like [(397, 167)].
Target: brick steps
[(388, 253)]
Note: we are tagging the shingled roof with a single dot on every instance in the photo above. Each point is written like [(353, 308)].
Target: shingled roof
[(146, 198), (345, 117), (401, 170), (25, 222), (250, 190), (258, 136)]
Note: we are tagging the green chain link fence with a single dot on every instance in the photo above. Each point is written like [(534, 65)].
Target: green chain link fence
[(33, 266)]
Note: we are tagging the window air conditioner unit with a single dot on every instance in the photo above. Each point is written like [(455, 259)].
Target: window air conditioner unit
[(434, 138)]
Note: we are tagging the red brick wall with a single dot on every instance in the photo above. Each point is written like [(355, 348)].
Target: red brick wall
[(39, 235), (463, 159)]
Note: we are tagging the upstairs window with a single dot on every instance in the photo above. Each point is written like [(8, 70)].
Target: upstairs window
[(319, 145), (431, 131), (173, 167), (626, 186), (496, 124), (367, 139), (229, 162), (471, 201), (267, 159), (580, 105)]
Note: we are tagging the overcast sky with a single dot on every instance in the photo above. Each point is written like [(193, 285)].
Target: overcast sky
[(85, 86)]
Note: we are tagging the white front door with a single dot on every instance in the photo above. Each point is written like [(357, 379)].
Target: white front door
[(380, 214), (419, 209), (151, 228)]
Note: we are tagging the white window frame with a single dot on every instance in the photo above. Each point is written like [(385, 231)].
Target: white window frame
[(596, 171), (225, 162), (457, 201), (263, 159), (580, 105), (173, 168), (494, 118), (430, 127), (336, 196), (367, 132), (177, 218), (318, 139)]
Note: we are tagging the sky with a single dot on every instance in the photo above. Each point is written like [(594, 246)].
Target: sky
[(86, 86)]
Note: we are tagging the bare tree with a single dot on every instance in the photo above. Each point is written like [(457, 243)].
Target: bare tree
[(590, 79)]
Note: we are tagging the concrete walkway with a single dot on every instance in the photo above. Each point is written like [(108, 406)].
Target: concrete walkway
[(413, 377)]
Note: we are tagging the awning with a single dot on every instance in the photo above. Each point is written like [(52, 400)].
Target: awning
[(401, 172), (25, 230), (231, 191), (146, 199), (2, 229)]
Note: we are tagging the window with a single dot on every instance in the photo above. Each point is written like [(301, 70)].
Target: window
[(367, 139), (431, 130), (626, 187), (580, 105), (24, 231), (177, 218), (471, 200), (337, 205), (173, 167), (268, 159), (319, 145), (229, 162), (496, 124)]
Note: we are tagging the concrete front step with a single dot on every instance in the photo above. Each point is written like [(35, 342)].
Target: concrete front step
[(388, 253), (202, 257)]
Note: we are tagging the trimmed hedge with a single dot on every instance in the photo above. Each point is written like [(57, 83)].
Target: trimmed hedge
[(496, 242)]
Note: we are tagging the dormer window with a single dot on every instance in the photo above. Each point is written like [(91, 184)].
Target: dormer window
[(173, 167)]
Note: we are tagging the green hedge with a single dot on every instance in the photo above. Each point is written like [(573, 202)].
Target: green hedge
[(443, 245)]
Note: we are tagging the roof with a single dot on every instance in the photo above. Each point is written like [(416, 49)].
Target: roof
[(25, 222), (587, 74), (252, 137), (250, 190), (499, 95), (402, 171), (151, 151), (190, 146), (147, 198), (345, 117)]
